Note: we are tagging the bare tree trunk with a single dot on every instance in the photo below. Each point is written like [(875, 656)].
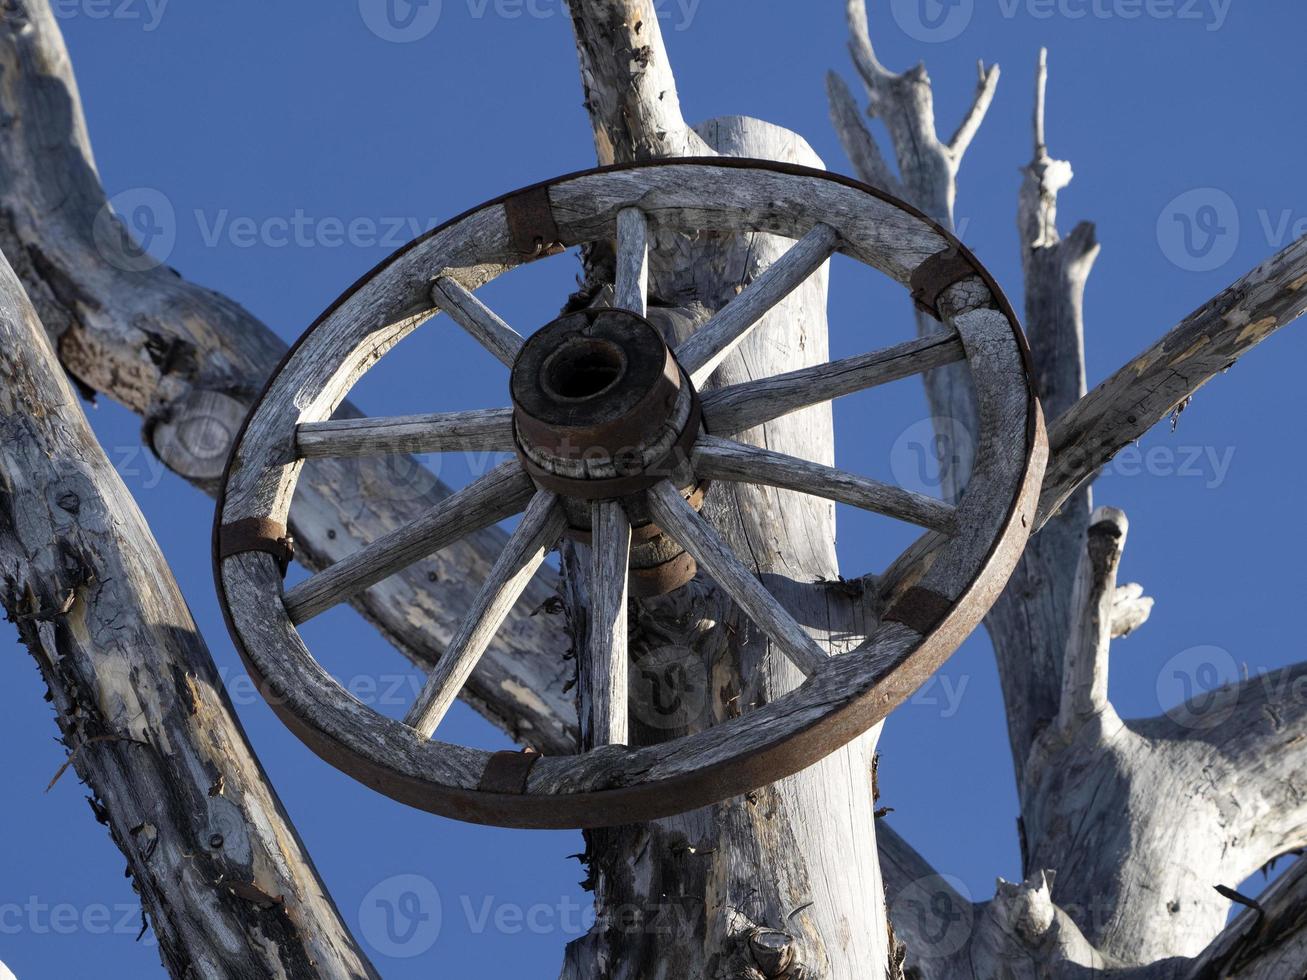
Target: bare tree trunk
[(756, 886), (784, 883), (1106, 805), (220, 871)]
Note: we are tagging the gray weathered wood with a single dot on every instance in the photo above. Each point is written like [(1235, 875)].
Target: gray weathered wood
[(712, 342), (602, 670), (735, 858), (539, 531), (631, 291), (220, 872), (724, 459), (1105, 804), (1161, 379), (190, 361), (635, 111), (743, 406), (676, 517), (485, 431), (1084, 671), (483, 323), (501, 493)]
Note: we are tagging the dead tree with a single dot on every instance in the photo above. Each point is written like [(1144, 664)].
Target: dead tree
[(783, 883)]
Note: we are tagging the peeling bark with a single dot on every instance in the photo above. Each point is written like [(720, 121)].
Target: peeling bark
[(221, 873)]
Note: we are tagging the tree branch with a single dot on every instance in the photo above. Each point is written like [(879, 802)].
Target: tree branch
[(1084, 675), (970, 125), (1142, 393), (859, 145), (630, 92), (191, 361), (1267, 942), (906, 104), (220, 870)]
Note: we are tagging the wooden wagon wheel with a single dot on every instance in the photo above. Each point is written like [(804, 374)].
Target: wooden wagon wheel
[(613, 441)]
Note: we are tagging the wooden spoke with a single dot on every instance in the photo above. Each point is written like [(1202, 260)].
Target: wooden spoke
[(724, 459), (675, 516), (709, 345), (603, 668), (739, 407), (632, 288), (483, 431), (541, 527), (501, 493), (476, 318)]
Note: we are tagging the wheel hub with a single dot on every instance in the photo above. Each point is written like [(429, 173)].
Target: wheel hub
[(602, 410)]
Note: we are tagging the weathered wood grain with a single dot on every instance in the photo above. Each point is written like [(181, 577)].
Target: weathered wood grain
[(631, 291), (485, 431), (712, 342), (602, 671), (221, 873), (1160, 380), (735, 199), (739, 407), (1084, 670), (675, 516), (483, 323), (500, 494), (724, 459), (1107, 806), (541, 526)]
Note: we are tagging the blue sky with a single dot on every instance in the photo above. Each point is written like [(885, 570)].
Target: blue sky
[(254, 118)]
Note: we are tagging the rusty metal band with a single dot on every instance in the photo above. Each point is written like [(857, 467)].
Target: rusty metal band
[(620, 486), (936, 274), (507, 772), (656, 580), (531, 225), (257, 534), (920, 609)]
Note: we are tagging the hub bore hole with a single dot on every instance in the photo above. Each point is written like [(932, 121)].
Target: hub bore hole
[(583, 368)]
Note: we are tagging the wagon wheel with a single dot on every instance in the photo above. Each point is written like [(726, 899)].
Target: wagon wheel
[(612, 441)]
